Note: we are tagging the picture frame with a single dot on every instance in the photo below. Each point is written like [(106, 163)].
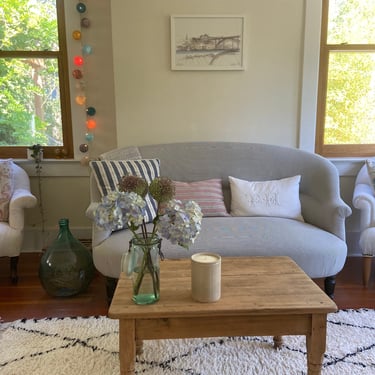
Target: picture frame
[(207, 42)]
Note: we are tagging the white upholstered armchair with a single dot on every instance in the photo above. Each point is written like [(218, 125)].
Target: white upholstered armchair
[(15, 196), (364, 200)]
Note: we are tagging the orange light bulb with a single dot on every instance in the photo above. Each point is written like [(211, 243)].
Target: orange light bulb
[(91, 124)]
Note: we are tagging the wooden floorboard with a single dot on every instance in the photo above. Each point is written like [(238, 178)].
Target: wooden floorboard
[(28, 299)]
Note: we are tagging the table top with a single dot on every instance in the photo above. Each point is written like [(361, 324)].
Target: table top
[(249, 286)]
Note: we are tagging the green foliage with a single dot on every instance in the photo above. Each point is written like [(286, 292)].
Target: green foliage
[(350, 115), (30, 111)]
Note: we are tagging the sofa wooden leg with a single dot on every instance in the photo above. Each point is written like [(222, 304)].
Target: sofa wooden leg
[(329, 285), (13, 269), (366, 269), (111, 284)]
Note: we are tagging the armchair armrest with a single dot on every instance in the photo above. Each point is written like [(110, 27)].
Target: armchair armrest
[(21, 199), (329, 215), (364, 200)]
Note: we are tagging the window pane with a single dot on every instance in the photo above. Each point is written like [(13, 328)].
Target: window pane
[(350, 104), (30, 110), (351, 22), (28, 25)]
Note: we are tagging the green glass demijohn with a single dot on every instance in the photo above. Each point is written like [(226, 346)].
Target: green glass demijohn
[(66, 268)]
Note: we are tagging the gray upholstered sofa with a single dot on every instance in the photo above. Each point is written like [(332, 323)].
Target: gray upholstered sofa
[(316, 244)]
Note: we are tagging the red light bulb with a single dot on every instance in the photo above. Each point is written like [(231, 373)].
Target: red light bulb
[(78, 60)]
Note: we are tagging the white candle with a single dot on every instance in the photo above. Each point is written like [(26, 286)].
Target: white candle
[(206, 277), (205, 258)]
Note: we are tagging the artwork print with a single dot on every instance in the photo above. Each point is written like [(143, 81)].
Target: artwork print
[(207, 42)]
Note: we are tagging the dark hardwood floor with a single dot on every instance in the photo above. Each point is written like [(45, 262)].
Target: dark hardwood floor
[(28, 299)]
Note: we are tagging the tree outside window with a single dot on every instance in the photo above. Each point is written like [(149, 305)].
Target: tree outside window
[(346, 103), (34, 92)]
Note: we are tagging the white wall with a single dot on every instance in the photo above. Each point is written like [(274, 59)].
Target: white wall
[(155, 104)]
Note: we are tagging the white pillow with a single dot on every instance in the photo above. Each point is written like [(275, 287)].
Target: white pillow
[(278, 198)]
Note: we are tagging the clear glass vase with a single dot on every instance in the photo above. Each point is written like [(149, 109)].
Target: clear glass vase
[(143, 266), (66, 268)]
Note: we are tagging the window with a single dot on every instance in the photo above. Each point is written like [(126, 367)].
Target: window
[(34, 82), (346, 99)]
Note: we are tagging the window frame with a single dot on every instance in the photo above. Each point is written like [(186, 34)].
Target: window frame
[(340, 150), (50, 152)]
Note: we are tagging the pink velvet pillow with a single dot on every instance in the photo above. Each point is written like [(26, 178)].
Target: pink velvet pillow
[(6, 188), (208, 194)]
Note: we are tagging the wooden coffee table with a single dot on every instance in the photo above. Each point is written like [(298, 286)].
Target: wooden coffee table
[(265, 296)]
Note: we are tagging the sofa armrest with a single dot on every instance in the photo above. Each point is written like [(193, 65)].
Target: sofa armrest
[(90, 211), (21, 199), (329, 216), (364, 200)]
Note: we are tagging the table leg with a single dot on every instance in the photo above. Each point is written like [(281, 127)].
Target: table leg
[(127, 346), (139, 347), (316, 344), (277, 342)]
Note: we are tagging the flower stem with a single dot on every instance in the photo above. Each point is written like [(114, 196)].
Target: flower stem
[(147, 266)]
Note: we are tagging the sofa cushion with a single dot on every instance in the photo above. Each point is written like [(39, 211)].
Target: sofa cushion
[(208, 194), (277, 198), (6, 188), (108, 174), (318, 252)]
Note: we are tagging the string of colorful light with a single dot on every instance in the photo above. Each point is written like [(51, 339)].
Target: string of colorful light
[(78, 74)]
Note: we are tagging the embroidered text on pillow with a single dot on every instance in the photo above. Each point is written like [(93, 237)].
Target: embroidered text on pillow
[(267, 199)]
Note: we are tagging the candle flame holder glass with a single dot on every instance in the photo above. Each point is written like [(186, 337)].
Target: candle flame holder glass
[(206, 277)]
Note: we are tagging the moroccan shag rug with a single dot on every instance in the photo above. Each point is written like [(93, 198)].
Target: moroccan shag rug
[(79, 346)]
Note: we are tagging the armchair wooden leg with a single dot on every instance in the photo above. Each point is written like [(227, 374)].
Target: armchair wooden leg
[(13, 269), (366, 269)]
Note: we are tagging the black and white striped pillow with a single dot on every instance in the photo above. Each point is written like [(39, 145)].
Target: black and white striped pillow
[(108, 174)]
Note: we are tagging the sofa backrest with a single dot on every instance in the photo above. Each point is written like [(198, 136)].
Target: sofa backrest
[(320, 198), (197, 161)]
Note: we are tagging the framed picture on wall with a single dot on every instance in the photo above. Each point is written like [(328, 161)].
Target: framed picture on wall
[(201, 42)]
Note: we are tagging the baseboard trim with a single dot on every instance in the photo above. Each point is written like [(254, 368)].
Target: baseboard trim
[(35, 241)]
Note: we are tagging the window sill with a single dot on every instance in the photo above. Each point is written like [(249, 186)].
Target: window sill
[(348, 167), (55, 168)]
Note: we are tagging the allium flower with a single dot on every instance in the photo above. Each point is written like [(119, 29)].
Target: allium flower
[(162, 189), (134, 184)]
